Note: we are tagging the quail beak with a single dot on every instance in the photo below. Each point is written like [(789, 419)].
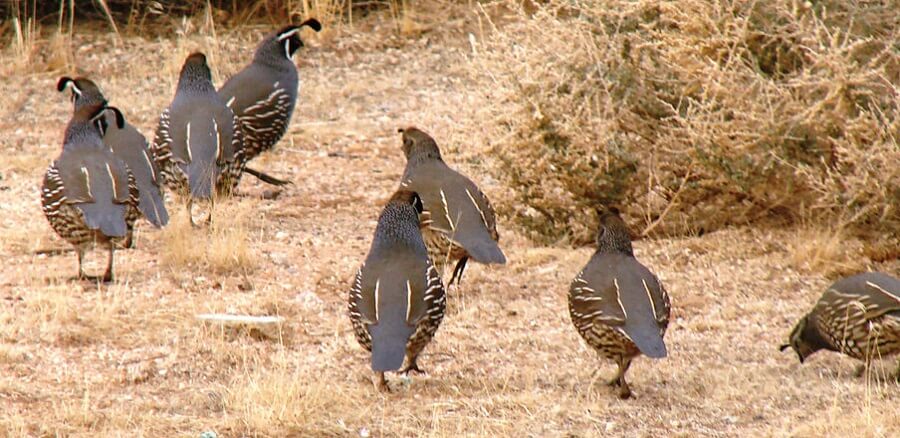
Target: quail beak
[(783, 347), (400, 130)]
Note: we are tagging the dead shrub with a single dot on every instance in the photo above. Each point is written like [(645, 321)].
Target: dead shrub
[(695, 115)]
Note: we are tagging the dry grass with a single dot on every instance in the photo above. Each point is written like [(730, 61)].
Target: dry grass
[(825, 249), (78, 359), (694, 115), (222, 247)]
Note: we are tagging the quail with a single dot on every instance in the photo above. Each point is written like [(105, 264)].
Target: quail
[(397, 298), (198, 143), (616, 304), (858, 316), (130, 146), (264, 93), (458, 221), (89, 195)]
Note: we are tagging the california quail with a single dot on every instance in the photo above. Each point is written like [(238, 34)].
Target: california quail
[(397, 299), (130, 146), (858, 316), (458, 221), (198, 144), (264, 93), (89, 196), (617, 305)]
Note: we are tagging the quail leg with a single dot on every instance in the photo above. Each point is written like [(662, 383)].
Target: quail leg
[(80, 253), (190, 214), (212, 204), (458, 271), (619, 380), (381, 383), (108, 276), (412, 366), (860, 370), (129, 237), (266, 178)]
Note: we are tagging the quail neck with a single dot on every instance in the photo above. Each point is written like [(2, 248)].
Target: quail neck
[(81, 129), (195, 78), (613, 236), (398, 225)]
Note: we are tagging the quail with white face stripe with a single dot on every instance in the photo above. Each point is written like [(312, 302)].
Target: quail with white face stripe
[(397, 298), (130, 146), (199, 143), (263, 95), (858, 316), (458, 221), (89, 195), (616, 304)]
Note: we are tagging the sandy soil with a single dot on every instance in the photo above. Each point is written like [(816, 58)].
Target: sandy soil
[(130, 359)]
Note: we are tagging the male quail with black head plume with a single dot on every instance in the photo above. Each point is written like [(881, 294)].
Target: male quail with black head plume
[(130, 146), (264, 93), (397, 299), (858, 316), (617, 305), (198, 144), (88, 195), (458, 222)]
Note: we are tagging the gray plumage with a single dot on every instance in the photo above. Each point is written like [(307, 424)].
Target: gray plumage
[(198, 143), (129, 145), (88, 194), (617, 305), (397, 299), (458, 222), (857, 315), (263, 95)]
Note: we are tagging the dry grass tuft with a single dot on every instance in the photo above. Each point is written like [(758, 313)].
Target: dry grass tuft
[(29, 51), (222, 247), (283, 400), (829, 250), (694, 115), (835, 422)]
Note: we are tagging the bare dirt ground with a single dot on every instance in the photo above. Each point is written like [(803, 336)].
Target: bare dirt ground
[(130, 359)]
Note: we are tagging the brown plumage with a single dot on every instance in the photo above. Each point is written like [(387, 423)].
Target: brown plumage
[(397, 299), (88, 195), (617, 305), (458, 221), (858, 316)]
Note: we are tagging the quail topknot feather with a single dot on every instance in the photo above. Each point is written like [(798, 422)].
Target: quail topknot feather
[(129, 145), (263, 95), (88, 195), (458, 221), (858, 316), (617, 305), (397, 298), (198, 144)]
